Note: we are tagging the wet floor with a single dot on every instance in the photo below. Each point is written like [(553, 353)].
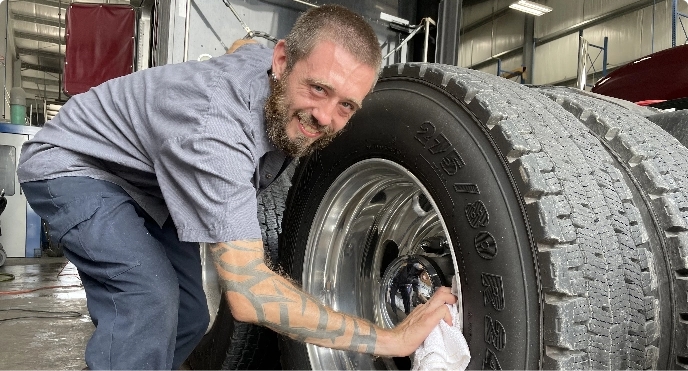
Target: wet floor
[(44, 323)]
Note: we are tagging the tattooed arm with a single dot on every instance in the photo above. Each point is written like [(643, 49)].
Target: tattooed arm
[(258, 295)]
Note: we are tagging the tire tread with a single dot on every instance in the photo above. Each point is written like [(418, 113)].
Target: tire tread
[(657, 161), (586, 228)]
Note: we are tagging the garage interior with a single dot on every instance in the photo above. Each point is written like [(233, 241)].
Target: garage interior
[(44, 320)]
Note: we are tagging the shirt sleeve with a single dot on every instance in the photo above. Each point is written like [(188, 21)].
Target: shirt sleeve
[(206, 177)]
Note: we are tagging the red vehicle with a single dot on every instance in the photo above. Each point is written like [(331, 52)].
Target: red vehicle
[(659, 80)]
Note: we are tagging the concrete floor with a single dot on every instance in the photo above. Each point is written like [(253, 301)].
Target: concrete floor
[(55, 341)]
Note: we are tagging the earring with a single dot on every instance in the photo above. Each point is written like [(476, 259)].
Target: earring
[(273, 77)]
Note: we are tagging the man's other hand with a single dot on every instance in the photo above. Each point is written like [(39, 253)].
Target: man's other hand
[(239, 43)]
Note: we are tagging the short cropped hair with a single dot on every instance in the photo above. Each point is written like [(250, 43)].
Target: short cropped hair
[(339, 25)]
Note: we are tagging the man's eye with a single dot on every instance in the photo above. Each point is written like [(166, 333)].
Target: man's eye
[(348, 108), (318, 89)]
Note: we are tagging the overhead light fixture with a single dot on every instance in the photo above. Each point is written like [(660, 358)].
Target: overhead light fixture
[(530, 7)]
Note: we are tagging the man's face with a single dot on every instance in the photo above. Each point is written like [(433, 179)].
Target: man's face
[(314, 100)]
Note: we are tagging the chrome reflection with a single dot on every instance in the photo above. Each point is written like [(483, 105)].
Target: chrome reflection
[(211, 283), (374, 220), (408, 282)]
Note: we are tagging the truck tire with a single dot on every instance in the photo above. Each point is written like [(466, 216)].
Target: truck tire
[(234, 345), (656, 163), (494, 183), (674, 123)]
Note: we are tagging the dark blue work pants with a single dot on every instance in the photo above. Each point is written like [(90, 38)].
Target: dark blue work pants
[(143, 286), (405, 290)]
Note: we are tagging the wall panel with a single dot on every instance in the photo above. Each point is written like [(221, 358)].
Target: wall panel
[(566, 13), (510, 64), (7, 51), (508, 32), (595, 8), (680, 35), (491, 69), (662, 28), (466, 50), (482, 10), (625, 39), (471, 14), (476, 46), (503, 34), (556, 60)]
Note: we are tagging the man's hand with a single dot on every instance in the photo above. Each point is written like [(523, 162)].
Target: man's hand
[(239, 43), (410, 333), (258, 295)]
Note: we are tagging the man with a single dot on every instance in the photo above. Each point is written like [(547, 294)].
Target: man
[(406, 281), (191, 138)]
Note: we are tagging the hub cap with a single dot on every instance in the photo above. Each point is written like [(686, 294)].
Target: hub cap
[(408, 281)]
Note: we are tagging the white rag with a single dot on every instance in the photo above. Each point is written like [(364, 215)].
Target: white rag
[(445, 348)]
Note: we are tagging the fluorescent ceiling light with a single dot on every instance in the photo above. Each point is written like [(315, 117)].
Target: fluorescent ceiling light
[(530, 7)]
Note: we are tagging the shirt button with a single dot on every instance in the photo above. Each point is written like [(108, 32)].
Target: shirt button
[(268, 176)]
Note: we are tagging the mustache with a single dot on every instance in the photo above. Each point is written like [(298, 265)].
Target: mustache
[(310, 120)]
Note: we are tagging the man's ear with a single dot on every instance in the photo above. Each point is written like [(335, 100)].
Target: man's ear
[(279, 59)]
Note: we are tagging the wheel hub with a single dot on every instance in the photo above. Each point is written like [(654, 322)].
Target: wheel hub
[(374, 216), (408, 282)]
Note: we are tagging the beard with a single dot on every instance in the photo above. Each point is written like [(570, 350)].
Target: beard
[(277, 119)]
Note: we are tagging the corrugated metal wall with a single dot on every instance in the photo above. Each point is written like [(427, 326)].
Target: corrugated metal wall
[(211, 24), (631, 35)]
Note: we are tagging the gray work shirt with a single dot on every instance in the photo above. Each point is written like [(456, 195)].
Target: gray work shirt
[(189, 138)]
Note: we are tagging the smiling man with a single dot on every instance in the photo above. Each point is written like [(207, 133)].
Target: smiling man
[(313, 99), (132, 174)]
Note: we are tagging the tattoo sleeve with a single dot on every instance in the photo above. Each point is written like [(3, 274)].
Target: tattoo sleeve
[(276, 303)]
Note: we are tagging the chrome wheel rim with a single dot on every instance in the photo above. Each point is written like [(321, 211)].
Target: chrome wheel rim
[(211, 283), (375, 219)]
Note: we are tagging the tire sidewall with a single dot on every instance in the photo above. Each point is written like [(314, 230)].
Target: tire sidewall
[(431, 134)]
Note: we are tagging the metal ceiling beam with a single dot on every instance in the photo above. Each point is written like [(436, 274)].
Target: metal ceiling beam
[(50, 95), (493, 59), (35, 67), (484, 20), (37, 20), (40, 81), (55, 91), (40, 53), (53, 3), (38, 37)]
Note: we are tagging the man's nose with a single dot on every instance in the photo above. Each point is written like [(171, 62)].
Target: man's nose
[(324, 113)]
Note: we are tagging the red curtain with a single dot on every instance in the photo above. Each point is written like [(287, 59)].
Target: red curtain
[(99, 45)]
